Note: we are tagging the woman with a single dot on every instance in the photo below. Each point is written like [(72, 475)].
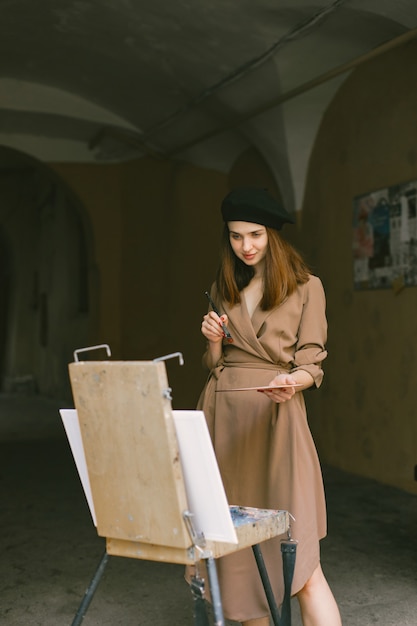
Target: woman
[(274, 310)]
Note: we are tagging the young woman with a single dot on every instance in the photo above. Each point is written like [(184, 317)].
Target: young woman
[(274, 310)]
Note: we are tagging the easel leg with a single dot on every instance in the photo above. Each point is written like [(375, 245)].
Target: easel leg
[(288, 550), (267, 585), (82, 609), (215, 592)]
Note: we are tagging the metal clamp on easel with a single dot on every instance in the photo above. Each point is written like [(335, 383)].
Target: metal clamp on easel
[(197, 583), (102, 345)]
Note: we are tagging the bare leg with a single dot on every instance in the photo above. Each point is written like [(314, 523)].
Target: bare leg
[(317, 603), (260, 621)]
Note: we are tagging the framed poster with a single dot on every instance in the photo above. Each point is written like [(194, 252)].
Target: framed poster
[(385, 237)]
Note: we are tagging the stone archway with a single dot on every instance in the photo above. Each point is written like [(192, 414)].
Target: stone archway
[(5, 271), (47, 249)]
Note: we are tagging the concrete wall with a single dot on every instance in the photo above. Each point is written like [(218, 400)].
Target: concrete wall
[(156, 228), (98, 188), (365, 418), (171, 227), (153, 229), (157, 225)]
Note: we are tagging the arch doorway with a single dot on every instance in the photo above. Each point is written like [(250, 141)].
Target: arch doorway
[(46, 265), (5, 262)]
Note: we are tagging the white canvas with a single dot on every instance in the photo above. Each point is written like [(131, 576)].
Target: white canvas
[(72, 429), (203, 483)]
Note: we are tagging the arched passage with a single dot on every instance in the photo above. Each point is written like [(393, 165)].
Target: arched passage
[(5, 270), (46, 256)]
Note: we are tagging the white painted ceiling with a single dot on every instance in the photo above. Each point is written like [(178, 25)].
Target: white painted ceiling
[(111, 79)]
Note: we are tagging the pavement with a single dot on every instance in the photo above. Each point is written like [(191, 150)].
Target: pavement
[(50, 550)]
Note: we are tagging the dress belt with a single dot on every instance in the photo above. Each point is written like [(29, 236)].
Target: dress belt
[(263, 365)]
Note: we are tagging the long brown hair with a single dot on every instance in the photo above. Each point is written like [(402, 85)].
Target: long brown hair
[(284, 270)]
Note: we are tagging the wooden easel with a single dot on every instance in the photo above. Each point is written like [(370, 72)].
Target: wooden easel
[(137, 482)]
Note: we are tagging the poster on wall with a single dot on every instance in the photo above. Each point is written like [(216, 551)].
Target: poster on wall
[(385, 238)]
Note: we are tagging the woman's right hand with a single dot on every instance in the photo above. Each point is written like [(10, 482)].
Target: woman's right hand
[(211, 327)]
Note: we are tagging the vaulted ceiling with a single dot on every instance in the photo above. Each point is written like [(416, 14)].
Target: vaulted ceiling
[(112, 79)]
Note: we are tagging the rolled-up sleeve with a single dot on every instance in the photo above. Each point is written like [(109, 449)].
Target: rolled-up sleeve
[(312, 333)]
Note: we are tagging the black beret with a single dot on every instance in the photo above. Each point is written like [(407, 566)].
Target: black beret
[(249, 204)]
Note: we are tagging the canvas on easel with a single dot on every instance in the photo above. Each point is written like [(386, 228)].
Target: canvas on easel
[(205, 492), (72, 428)]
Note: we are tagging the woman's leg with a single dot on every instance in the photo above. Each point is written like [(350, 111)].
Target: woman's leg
[(260, 621), (317, 603)]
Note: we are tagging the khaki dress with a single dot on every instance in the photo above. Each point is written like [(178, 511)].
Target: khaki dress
[(265, 451)]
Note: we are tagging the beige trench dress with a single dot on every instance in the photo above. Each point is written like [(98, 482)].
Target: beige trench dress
[(265, 451)]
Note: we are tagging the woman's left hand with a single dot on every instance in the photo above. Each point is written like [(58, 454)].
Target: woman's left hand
[(283, 393)]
